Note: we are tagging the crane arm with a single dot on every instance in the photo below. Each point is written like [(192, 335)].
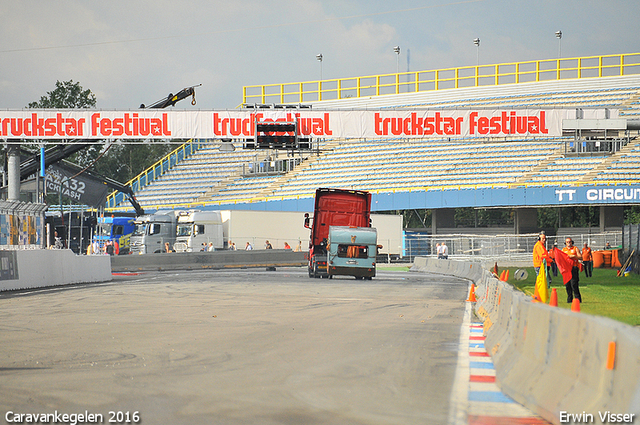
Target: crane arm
[(172, 99)]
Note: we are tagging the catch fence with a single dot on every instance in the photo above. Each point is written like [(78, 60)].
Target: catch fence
[(498, 247)]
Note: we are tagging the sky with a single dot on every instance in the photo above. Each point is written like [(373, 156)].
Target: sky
[(139, 51)]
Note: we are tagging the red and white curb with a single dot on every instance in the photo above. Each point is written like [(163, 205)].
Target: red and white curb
[(476, 398)]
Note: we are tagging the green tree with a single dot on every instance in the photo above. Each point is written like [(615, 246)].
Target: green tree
[(66, 95), (632, 215), (119, 162), (124, 162)]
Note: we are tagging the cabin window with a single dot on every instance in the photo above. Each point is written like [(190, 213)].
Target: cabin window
[(154, 229), (353, 251)]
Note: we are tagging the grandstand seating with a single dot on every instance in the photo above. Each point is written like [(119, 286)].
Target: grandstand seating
[(623, 167), (192, 177), (211, 175)]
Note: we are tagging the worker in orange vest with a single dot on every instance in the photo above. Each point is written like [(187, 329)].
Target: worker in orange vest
[(573, 286), (587, 260), (540, 253)]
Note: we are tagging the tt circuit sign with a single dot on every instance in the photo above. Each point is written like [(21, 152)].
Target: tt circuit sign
[(241, 124), (598, 195), (516, 197)]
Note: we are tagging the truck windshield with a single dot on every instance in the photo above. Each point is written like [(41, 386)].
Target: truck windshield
[(184, 229), (139, 229), (104, 229)]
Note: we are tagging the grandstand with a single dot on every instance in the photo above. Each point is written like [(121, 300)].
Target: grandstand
[(221, 174)]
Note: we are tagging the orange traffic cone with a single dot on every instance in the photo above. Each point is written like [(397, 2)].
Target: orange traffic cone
[(553, 301), (506, 276), (575, 305), (502, 276), (472, 293)]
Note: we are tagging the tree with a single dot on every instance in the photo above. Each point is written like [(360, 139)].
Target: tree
[(124, 162), (67, 95), (119, 162), (632, 215)]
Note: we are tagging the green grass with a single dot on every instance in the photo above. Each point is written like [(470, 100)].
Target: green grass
[(603, 294), (393, 267)]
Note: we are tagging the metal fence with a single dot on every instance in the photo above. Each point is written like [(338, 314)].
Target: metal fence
[(498, 247), (631, 237), (631, 245), (505, 247)]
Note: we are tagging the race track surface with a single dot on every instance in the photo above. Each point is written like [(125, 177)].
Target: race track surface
[(236, 347)]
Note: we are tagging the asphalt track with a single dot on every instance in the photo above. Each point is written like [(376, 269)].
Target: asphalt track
[(236, 347)]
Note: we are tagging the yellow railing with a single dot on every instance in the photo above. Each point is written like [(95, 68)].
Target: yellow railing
[(468, 76), (154, 171)]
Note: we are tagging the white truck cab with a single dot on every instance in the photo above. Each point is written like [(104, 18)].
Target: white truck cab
[(198, 230)]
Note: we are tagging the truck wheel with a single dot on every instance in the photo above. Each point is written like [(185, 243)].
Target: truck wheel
[(369, 277), (310, 272), (315, 272)]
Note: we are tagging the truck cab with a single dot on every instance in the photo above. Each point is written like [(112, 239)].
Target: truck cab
[(152, 231), (351, 251), (117, 230), (196, 230), (334, 207)]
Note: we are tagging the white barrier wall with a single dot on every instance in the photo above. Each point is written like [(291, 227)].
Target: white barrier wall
[(552, 360), (38, 268)]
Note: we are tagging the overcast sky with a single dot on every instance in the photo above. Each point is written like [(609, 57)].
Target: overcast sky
[(133, 52)]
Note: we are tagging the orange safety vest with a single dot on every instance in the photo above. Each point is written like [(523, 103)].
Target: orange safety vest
[(572, 252), (586, 254), (540, 253)]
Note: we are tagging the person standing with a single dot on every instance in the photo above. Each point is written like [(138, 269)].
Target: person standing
[(573, 286), (540, 253), (587, 260), (108, 248)]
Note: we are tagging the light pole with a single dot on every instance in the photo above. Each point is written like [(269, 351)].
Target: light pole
[(397, 50), (476, 41), (319, 57), (559, 37)]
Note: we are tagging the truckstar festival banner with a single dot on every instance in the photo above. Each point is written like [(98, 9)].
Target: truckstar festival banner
[(240, 124)]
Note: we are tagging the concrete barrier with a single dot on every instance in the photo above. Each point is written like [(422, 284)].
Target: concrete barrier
[(551, 360), (208, 260), (26, 269), (39, 268)]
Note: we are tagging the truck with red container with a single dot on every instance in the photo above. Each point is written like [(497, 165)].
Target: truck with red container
[(338, 211)]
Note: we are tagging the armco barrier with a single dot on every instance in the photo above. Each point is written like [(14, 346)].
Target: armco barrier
[(208, 260), (551, 360), (40, 268)]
